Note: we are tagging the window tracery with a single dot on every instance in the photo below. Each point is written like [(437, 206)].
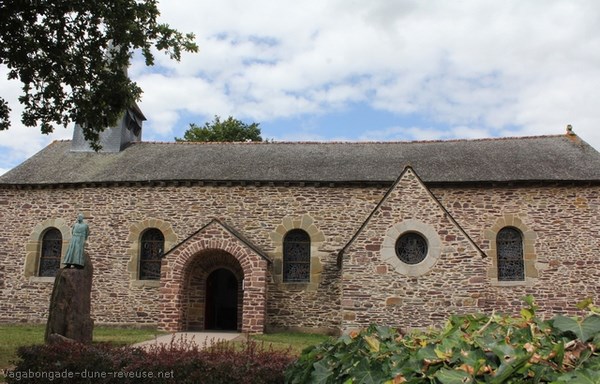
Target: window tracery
[(411, 248), (151, 252), (509, 245), (50, 253), (296, 256)]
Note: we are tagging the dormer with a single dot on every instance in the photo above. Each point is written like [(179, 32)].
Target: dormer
[(114, 139)]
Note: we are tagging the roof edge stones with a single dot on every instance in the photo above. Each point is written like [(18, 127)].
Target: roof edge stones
[(349, 142)]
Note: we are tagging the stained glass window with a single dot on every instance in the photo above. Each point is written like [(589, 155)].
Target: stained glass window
[(296, 256), (152, 249), (411, 248), (50, 253), (509, 245)]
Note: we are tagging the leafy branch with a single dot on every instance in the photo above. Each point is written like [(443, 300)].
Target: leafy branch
[(474, 348)]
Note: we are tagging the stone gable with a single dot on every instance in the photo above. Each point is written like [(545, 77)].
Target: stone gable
[(377, 287)]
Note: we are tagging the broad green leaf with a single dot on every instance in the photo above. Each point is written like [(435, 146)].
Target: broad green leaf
[(321, 372), (451, 376), (594, 363), (526, 314), (509, 367), (427, 353), (559, 350), (529, 300), (443, 354), (373, 343), (368, 373), (583, 304), (596, 341), (584, 330), (584, 376), (366, 377), (385, 332)]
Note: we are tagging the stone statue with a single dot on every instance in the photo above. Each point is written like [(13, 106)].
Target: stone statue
[(74, 256)]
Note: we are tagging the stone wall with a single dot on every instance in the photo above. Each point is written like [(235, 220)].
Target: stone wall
[(561, 232), (112, 211), (378, 288), (563, 221)]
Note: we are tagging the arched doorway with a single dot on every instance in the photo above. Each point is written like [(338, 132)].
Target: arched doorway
[(185, 270), (221, 300), (214, 292)]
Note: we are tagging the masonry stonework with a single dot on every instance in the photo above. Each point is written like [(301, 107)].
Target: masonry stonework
[(374, 291), (355, 277), (566, 245), (111, 211)]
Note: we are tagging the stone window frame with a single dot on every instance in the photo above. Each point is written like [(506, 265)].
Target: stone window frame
[(434, 247), (134, 238), (530, 258), (317, 240), (33, 248)]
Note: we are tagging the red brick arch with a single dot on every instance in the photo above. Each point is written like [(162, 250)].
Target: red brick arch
[(213, 239)]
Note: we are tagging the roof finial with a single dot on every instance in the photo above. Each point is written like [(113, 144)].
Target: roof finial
[(570, 130)]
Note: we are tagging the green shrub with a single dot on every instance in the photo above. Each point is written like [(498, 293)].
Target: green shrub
[(177, 362), (469, 349)]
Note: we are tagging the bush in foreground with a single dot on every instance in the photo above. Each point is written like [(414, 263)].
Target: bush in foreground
[(177, 362), (470, 349)]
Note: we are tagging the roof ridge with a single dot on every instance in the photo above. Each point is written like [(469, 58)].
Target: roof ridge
[(353, 142)]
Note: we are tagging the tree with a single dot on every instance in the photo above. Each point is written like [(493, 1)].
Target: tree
[(71, 57), (227, 130)]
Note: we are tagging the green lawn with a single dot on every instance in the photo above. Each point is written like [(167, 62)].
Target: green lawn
[(14, 336), (285, 340)]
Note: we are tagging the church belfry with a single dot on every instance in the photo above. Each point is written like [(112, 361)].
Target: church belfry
[(113, 139)]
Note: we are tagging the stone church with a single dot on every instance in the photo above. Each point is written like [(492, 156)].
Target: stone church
[(320, 237)]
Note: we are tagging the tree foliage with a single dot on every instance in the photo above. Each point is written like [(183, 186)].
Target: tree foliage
[(227, 130), (71, 57), (469, 349)]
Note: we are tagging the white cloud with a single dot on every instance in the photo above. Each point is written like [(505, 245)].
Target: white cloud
[(424, 133), (20, 142), (480, 67), (511, 66)]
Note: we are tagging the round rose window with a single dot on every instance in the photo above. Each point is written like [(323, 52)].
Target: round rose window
[(411, 248)]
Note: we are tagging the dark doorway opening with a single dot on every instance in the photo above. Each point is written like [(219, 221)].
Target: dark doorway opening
[(221, 300)]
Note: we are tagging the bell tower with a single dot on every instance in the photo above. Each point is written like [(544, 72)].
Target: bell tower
[(114, 139)]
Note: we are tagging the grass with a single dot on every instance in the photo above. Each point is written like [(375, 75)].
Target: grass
[(12, 336), (124, 336), (290, 340)]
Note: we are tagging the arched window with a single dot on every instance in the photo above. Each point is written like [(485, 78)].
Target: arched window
[(151, 252), (296, 256), (50, 253), (509, 246)]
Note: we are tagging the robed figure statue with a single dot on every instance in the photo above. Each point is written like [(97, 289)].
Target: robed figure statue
[(74, 256)]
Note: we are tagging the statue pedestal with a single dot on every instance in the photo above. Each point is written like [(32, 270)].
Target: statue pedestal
[(70, 304)]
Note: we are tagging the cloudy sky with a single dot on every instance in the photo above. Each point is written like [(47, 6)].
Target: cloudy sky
[(323, 70)]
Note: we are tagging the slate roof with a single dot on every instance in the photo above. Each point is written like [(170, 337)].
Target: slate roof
[(542, 158)]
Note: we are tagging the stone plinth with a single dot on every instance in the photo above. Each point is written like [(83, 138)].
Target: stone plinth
[(69, 314)]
